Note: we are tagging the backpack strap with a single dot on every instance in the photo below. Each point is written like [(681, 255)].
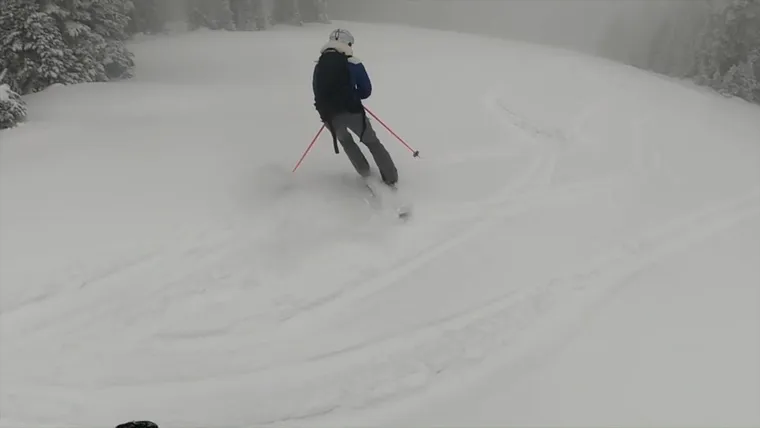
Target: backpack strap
[(329, 125), (334, 137), (364, 124)]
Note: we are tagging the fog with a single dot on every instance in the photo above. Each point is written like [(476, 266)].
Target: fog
[(654, 34)]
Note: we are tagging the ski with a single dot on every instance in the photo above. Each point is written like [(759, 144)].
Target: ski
[(381, 194)]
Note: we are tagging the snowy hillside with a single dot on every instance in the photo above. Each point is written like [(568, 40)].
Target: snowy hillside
[(583, 250)]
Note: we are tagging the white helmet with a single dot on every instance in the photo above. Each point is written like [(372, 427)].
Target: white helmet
[(343, 36)]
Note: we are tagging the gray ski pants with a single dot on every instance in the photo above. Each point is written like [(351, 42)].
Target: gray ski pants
[(356, 123)]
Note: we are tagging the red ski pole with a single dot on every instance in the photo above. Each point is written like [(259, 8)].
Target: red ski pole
[(415, 153), (309, 148)]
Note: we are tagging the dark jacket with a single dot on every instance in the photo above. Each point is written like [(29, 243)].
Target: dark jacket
[(358, 81)]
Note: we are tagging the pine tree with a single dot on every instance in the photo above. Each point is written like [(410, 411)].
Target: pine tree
[(148, 16), (109, 20), (252, 14), (243, 14), (34, 52), (321, 7), (742, 79), (213, 14), (287, 12), (12, 107), (224, 15), (96, 31), (313, 11), (261, 16), (730, 46), (673, 47)]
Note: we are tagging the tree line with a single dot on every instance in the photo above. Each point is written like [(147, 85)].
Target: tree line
[(715, 43), (47, 42)]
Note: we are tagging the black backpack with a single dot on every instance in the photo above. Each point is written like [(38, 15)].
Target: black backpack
[(334, 92)]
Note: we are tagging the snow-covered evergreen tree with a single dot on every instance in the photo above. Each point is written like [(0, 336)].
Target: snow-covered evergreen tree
[(321, 6), (730, 46), (96, 31), (261, 16), (213, 14), (741, 80), (313, 11), (224, 15), (288, 12), (109, 20), (267, 12), (34, 52), (148, 16), (244, 15), (12, 107), (674, 44)]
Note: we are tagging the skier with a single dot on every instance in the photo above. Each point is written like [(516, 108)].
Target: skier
[(340, 83)]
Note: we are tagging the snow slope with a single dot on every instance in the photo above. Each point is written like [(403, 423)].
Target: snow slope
[(584, 247)]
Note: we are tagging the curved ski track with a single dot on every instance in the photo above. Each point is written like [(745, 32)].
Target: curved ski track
[(425, 359), (428, 358), (483, 338)]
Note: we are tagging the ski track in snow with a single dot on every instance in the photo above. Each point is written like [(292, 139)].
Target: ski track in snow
[(229, 292), (413, 361), (395, 367)]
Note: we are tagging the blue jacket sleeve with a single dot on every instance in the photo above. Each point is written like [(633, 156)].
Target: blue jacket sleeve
[(362, 80)]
